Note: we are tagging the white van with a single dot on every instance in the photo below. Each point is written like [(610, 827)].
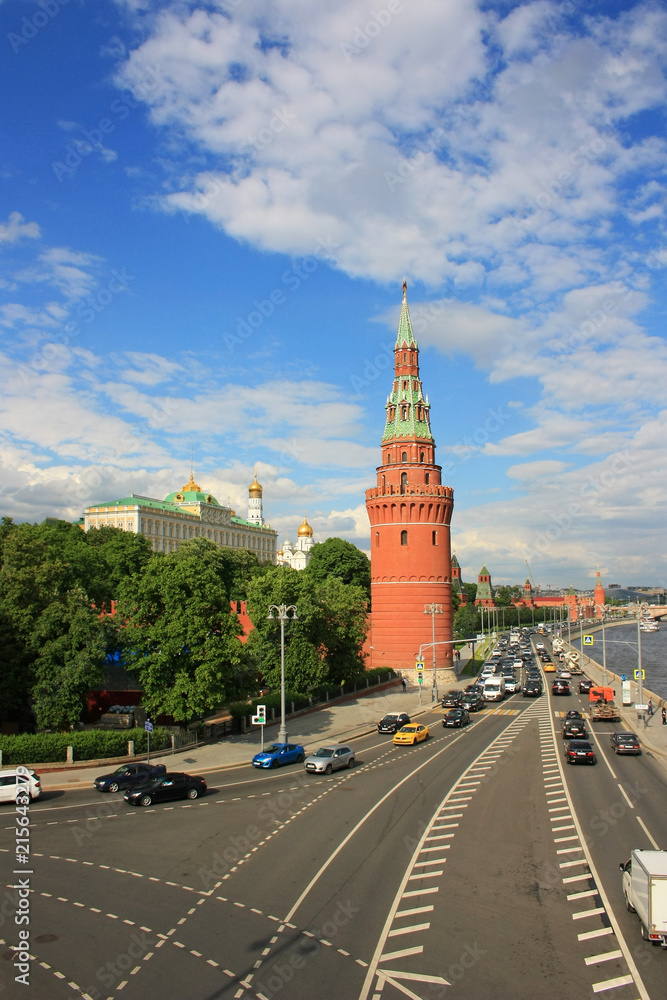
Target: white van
[(10, 784), (494, 688)]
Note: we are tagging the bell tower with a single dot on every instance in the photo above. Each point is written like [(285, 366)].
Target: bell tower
[(409, 512)]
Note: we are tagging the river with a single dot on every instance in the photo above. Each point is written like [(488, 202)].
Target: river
[(621, 642)]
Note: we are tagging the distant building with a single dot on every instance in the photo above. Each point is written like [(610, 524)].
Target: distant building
[(484, 589), (189, 513), (457, 583), (297, 556)]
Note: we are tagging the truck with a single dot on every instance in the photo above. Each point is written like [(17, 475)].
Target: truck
[(494, 688), (645, 892), (601, 705)]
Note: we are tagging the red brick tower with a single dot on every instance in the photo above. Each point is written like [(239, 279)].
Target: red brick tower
[(410, 512), (598, 597)]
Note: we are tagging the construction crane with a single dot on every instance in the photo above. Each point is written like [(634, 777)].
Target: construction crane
[(535, 586)]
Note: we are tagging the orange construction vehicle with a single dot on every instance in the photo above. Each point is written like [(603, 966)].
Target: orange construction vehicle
[(601, 706)]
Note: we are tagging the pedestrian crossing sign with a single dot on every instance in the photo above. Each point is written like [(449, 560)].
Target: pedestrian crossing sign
[(588, 640), (643, 673), (420, 665)]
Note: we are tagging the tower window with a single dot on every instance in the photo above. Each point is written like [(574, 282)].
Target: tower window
[(377, 539), (435, 537), (404, 482), (388, 459), (404, 538), (428, 478), (404, 358), (421, 458), (404, 456)]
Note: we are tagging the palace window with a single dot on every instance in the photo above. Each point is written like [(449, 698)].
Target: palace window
[(404, 538)]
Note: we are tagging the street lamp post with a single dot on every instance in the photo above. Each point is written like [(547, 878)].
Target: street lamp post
[(433, 610), (283, 615)]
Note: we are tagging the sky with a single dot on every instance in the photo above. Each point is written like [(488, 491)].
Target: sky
[(207, 212)]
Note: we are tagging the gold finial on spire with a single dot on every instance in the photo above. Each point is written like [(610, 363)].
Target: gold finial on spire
[(405, 289), (192, 486)]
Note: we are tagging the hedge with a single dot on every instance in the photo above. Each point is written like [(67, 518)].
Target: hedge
[(92, 744)]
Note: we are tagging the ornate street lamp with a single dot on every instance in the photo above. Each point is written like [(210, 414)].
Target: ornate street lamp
[(433, 610), (283, 615)]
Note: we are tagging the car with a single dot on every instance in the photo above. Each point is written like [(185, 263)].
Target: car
[(565, 675), (128, 776), (511, 685), (539, 645), (574, 729), (390, 723), (549, 667), (473, 701), (330, 758), (574, 713), (532, 689), (163, 787), (277, 754), (414, 733), (451, 700), (13, 783), (580, 752), (625, 743), (560, 687), (456, 717), (585, 685)]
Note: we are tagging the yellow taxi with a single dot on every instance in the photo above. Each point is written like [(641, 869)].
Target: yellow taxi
[(413, 733), (549, 667)]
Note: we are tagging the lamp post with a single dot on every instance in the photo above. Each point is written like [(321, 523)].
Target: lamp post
[(433, 610), (603, 608), (283, 615), (641, 610)]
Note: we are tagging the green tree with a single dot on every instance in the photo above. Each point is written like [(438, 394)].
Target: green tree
[(504, 595), (123, 554), (180, 636), (70, 644), (338, 558), (323, 645), (471, 591)]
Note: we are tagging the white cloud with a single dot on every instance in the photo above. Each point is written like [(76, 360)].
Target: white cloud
[(17, 228)]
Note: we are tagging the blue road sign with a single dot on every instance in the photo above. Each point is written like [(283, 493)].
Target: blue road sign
[(148, 726)]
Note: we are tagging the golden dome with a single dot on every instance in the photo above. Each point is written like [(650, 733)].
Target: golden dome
[(255, 490), (191, 486), (305, 531)]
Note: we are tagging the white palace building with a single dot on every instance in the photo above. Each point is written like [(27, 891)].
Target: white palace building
[(191, 513)]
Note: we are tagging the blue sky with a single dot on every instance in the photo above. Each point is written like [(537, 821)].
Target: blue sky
[(207, 213)]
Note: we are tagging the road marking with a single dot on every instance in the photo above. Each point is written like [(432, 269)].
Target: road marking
[(582, 914), (425, 875), (645, 829), (412, 929), (404, 953), (605, 956), (415, 909), (561, 840), (625, 796), (612, 984), (582, 895), (422, 892)]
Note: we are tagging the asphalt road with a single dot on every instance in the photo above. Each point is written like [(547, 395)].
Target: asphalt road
[(473, 865)]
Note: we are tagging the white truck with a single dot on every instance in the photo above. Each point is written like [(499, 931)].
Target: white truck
[(645, 891), (494, 688)]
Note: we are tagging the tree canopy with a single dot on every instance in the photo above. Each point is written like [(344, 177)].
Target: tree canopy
[(338, 558)]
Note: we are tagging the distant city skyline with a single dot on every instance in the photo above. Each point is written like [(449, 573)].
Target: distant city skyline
[(207, 214)]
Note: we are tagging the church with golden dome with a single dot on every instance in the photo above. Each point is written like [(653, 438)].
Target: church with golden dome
[(190, 513), (297, 556)]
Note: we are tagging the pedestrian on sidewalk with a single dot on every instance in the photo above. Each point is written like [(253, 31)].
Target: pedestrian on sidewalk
[(404, 684), (650, 707), (664, 715)]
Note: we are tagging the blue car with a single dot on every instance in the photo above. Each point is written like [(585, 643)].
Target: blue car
[(279, 753)]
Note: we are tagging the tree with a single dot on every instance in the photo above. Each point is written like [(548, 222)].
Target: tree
[(338, 558), (504, 596), (471, 591), (123, 554), (70, 643), (323, 645), (180, 636)]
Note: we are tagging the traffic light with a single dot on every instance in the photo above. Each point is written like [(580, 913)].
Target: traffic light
[(261, 714)]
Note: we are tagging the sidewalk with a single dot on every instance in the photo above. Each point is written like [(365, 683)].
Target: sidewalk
[(653, 735), (336, 723)]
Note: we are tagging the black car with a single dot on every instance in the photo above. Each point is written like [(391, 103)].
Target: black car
[(456, 717), (472, 701), (393, 722), (128, 776), (574, 729), (560, 687), (452, 699), (532, 689), (580, 752), (172, 785), (625, 743), (574, 713), (585, 685)]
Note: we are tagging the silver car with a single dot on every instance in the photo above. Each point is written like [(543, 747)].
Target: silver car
[(331, 758)]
